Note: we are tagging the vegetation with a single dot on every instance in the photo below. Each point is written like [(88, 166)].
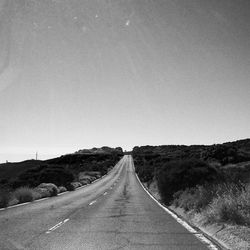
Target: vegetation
[(220, 203), (209, 179), (62, 189), (60, 171), (232, 204), (178, 175), (4, 198), (24, 194), (30, 180), (52, 188), (32, 177)]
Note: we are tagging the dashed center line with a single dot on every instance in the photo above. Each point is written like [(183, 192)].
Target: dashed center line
[(57, 226), (92, 202)]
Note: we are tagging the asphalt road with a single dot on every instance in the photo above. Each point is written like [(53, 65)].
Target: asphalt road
[(112, 213)]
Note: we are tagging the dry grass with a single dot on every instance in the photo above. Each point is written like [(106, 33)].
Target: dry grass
[(24, 194), (220, 203), (232, 205)]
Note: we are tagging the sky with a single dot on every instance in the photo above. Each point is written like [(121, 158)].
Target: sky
[(79, 74)]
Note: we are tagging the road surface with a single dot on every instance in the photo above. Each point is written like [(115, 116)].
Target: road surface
[(112, 213)]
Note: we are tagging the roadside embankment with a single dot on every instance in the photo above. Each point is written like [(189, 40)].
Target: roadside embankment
[(229, 235)]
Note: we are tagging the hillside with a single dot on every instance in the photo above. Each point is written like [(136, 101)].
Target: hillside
[(212, 181), (58, 170), (229, 152)]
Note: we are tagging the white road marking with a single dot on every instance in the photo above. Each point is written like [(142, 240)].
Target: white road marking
[(43, 199), (18, 205), (63, 193), (57, 226), (105, 193), (198, 235), (92, 202)]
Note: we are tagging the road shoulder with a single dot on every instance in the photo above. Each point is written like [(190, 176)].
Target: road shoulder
[(228, 236)]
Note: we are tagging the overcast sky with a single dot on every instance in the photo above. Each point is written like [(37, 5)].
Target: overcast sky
[(82, 73)]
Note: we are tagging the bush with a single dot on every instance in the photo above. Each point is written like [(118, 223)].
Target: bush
[(43, 192), (70, 187), (196, 198), (220, 203), (76, 184), (13, 201), (62, 189), (5, 197), (182, 174), (86, 178), (24, 194), (36, 195), (56, 175), (232, 205), (32, 177), (52, 188), (84, 182), (95, 174)]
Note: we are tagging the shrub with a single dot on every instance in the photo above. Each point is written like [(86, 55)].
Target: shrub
[(55, 174), (86, 179), (196, 198), (52, 188), (43, 192), (232, 205), (224, 209), (182, 174), (13, 201), (84, 182), (186, 199), (36, 195), (24, 194), (70, 187), (220, 203), (5, 197), (76, 184), (96, 174), (62, 189)]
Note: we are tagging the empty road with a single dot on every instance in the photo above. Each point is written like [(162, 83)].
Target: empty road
[(112, 213)]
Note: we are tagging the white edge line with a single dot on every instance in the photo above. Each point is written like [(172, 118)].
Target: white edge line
[(41, 199), (63, 193), (25, 203), (200, 236)]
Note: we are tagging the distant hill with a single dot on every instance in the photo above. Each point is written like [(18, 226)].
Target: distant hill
[(102, 150)]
